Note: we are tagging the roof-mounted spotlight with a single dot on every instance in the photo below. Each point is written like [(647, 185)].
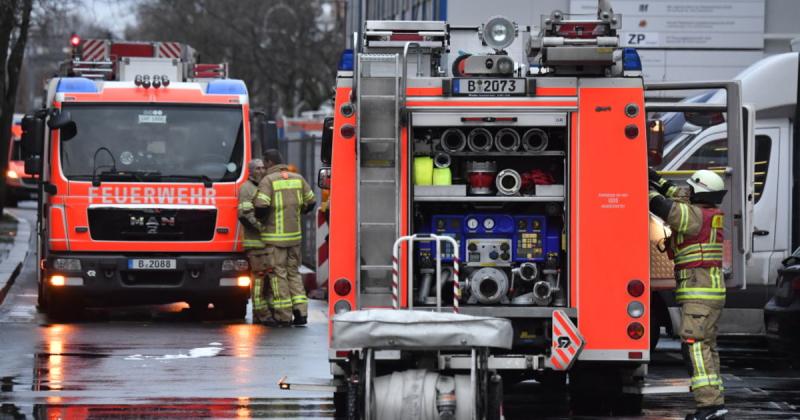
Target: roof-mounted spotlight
[(499, 32)]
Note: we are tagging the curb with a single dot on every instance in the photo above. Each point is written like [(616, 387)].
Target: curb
[(11, 267)]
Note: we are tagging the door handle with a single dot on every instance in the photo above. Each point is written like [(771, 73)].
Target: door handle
[(759, 232)]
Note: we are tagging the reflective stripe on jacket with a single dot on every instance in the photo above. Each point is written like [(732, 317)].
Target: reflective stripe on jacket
[(696, 246), (246, 212), (286, 194)]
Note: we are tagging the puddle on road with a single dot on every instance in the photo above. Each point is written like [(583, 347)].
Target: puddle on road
[(59, 361), (193, 354), (217, 408)]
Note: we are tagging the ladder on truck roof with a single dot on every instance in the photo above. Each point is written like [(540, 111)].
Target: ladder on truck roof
[(378, 162)]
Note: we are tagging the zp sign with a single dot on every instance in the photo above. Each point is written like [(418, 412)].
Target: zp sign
[(640, 39)]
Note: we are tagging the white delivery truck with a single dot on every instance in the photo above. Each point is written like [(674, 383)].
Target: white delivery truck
[(770, 88)]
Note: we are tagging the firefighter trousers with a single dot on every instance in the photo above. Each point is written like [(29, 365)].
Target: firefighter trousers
[(288, 292), (699, 344), (262, 298)]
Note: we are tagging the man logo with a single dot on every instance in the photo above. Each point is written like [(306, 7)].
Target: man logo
[(643, 8)]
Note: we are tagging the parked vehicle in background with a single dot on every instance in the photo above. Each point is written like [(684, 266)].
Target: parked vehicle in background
[(782, 313), (19, 185), (769, 86)]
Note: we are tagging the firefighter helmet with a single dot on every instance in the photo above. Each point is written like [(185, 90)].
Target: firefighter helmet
[(706, 181), (707, 187)]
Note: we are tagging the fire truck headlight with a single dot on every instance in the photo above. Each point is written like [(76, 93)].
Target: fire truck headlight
[(243, 281), (342, 306), (58, 280), (67, 264), (235, 265), (499, 32), (635, 309), (10, 174)]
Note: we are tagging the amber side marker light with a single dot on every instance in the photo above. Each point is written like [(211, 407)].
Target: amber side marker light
[(243, 281)]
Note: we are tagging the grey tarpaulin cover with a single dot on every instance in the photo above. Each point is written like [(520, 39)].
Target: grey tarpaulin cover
[(403, 329)]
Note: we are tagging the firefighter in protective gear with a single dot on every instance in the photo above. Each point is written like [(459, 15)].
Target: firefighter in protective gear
[(696, 247), (282, 198), (255, 249)]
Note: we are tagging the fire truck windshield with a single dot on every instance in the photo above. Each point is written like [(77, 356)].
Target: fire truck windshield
[(198, 142)]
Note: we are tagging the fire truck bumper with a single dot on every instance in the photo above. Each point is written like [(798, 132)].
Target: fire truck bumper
[(123, 279)]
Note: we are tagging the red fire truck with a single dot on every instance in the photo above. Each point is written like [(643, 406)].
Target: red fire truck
[(140, 153), (489, 216)]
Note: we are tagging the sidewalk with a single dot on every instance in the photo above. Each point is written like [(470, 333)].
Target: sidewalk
[(14, 242)]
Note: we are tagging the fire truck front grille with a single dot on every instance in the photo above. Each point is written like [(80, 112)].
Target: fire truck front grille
[(152, 278), (115, 224)]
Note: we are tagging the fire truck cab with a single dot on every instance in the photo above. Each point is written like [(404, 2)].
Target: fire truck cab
[(496, 179), (140, 152)]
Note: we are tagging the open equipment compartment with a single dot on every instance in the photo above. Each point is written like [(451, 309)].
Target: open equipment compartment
[(500, 193)]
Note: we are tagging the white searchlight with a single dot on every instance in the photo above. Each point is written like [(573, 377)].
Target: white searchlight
[(499, 32)]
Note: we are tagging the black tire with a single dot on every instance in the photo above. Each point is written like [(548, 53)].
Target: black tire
[(235, 308), (62, 309), (597, 391)]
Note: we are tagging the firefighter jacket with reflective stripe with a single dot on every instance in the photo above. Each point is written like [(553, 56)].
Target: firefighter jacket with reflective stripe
[(247, 215), (286, 194), (696, 246)]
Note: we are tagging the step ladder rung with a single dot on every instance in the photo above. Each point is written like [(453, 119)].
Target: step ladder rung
[(376, 267), (378, 140)]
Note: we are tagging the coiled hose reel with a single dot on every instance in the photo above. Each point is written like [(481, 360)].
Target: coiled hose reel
[(535, 140)]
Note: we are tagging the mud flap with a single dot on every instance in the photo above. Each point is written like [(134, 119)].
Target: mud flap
[(567, 342)]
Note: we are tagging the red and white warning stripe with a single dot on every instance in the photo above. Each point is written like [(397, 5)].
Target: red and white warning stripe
[(322, 250), (94, 49), (567, 342), (170, 49)]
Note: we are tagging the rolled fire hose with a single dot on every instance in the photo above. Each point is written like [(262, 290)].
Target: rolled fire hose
[(479, 140), (507, 140), (442, 176), (535, 140), (508, 182), (423, 394), (423, 170), (453, 140)]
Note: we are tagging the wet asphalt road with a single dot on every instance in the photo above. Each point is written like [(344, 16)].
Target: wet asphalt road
[(162, 361)]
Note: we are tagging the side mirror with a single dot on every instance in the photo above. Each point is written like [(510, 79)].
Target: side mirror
[(326, 147), (33, 165), (270, 135), (32, 142), (62, 120), (704, 119), (324, 179), (655, 142)]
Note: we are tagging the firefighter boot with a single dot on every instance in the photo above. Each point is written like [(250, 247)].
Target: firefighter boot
[(299, 319), (714, 412)]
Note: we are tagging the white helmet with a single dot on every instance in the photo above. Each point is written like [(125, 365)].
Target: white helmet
[(704, 181)]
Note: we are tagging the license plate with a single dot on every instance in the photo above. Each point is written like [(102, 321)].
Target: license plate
[(489, 87), (152, 264)]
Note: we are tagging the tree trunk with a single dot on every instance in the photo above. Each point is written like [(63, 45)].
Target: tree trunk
[(11, 65)]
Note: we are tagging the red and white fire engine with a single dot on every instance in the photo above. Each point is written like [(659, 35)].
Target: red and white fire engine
[(489, 216), (140, 151)]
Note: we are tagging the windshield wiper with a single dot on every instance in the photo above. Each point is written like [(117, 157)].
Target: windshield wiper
[(200, 177), (95, 181), (138, 176)]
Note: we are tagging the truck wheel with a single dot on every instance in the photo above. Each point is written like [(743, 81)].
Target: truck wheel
[(598, 391), (234, 308), (63, 310)]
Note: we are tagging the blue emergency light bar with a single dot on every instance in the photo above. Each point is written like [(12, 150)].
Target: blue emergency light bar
[(346, 60), (76, 85), (631, 60), (226, 87)]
